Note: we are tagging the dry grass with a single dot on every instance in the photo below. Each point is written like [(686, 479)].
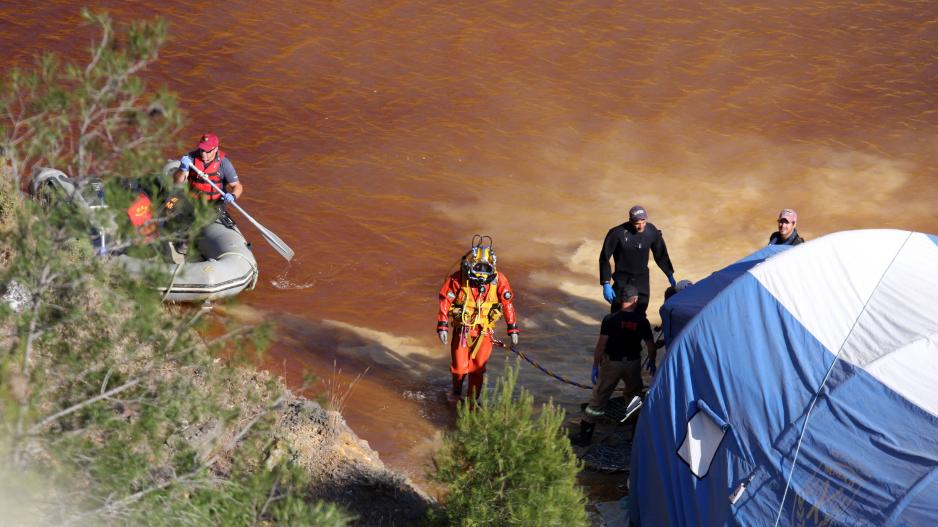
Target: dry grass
[(338, 390)]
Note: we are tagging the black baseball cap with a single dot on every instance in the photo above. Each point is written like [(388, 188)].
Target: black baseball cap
[(628, 292)]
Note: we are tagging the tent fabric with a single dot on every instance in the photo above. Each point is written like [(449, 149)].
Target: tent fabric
[(677, 311), (821, 362)]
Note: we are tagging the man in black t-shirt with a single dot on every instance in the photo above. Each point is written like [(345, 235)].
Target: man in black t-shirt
[(618, 356)]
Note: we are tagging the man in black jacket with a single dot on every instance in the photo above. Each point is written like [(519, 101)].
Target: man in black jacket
[(628, 245), (786, 234)]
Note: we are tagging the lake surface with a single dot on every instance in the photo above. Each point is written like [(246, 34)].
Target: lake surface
[(376, 138)]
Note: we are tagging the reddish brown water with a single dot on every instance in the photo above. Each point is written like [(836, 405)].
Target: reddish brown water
[(377, 137)]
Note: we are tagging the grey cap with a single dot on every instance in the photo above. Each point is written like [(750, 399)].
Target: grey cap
[(637, 213)]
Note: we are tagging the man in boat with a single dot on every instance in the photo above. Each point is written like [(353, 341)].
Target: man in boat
[(786, 234), (618, 356), (214, 163), (628, 245), (474, 298)]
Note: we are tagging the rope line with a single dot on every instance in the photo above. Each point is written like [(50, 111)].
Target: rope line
[(172, 282), (538, 366)]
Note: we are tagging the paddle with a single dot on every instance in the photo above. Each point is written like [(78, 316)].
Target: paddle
[(271, 238)]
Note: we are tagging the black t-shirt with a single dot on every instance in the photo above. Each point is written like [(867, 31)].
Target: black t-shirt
[(626, 331)]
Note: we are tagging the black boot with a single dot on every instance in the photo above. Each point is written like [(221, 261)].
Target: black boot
[(585, 436)]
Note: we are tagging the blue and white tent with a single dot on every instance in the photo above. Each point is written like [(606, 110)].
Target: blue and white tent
[(682, 307), (804, 393)]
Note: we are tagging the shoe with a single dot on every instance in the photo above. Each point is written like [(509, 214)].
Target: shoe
[(585, 436)]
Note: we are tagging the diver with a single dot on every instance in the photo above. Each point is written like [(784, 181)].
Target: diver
[(474, 298)]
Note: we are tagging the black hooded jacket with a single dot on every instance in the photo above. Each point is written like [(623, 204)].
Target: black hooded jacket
[(630, 251)]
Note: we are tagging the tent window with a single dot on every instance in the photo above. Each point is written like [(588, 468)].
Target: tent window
[(705, 431)]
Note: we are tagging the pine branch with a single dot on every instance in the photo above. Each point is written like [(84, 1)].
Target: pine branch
[(99, 51), (28, 347), (74, 408), (112, 508)]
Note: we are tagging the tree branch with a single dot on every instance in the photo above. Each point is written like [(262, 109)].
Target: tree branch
[(28, 345), (99, 51), (112, 508), (72, 409)]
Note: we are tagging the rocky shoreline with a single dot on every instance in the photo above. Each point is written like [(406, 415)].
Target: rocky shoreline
[(343, 467), (348, 471)]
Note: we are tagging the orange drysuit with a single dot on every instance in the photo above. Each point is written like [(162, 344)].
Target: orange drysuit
[(473, 311)]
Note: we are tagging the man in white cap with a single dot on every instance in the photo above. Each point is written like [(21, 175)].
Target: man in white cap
[(786, 234), (628, 245)]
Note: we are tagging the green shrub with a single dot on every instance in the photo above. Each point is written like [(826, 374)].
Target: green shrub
[(113, 409), (504, 465)]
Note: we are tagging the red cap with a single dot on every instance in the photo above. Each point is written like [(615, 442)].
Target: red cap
[(208, 142)]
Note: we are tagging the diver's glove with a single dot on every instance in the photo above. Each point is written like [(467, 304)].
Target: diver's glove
[(671, 280), (595, 376), (444, 336), (228, 197), (185, 163), (608, 293), (514, 339)]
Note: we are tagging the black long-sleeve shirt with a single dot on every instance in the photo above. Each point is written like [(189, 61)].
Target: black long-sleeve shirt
[(630, 251)]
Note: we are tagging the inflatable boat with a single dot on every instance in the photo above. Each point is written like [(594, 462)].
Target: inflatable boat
[(222, 266), (226, 267)]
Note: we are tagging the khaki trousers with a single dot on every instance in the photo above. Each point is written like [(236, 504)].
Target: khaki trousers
[(610, 373)]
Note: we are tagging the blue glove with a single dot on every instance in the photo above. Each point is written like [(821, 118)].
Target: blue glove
[(671, 280), (228, 197), (185, 163), (608, 293), (595, 376)]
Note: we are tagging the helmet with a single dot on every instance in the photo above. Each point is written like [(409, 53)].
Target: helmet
[(479, 263)]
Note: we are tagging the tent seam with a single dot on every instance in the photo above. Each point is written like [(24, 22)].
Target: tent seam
[(807, 417)]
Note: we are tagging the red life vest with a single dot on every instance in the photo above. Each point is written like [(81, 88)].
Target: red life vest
[(213, 171)]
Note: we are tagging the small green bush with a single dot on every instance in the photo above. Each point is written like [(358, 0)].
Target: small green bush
[(113, 409), (504, 465)]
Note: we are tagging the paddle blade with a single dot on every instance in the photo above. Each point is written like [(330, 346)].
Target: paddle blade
[(276, 243), (271, 238)]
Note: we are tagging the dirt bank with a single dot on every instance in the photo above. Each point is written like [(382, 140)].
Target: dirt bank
[(344, 468)]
